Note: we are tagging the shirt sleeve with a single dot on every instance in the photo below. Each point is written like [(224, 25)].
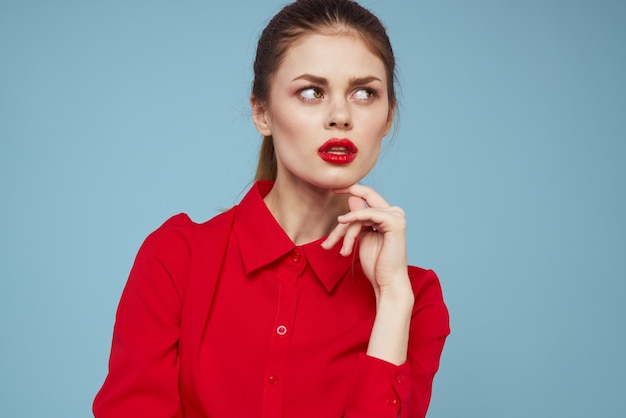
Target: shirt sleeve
[(144, 366), (384, 390)]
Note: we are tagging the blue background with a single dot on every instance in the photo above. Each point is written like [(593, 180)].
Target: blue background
[(509, 159)]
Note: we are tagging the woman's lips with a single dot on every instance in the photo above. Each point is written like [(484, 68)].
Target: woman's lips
[(338, 151)]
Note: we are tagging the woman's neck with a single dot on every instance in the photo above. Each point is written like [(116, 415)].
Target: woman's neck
[(305, 212)]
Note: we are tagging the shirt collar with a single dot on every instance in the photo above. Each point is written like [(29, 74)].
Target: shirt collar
[(262, 240)]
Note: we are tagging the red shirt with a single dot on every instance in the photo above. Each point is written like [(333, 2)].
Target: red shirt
[(230, 319)]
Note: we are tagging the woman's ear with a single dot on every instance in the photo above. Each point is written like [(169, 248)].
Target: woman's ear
[(390, 115), (260, 117)]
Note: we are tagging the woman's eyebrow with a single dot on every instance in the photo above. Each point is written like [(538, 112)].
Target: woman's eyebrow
[(363, 80), (354, 81), (313, 79)]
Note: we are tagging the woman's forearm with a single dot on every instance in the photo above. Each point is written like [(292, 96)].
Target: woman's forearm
[(390, 333)]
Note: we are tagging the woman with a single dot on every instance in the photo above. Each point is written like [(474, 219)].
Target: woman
[(298, 301)]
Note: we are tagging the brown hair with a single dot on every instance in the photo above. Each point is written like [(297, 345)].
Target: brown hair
[(304, 17)]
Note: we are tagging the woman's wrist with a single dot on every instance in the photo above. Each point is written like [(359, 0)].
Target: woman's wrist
[(397, 292)]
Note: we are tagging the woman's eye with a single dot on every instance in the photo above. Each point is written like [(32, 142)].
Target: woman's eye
[(311, 93), (364, 94)]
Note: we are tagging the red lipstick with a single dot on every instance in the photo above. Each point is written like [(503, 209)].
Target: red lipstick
[(338, 151)]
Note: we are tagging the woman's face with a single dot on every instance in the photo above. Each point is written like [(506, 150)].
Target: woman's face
[(328, 111)]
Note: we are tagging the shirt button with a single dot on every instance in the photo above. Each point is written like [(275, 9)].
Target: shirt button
[(392, 402), (273, 380), (401, 379), (296, 257), (281, 330)]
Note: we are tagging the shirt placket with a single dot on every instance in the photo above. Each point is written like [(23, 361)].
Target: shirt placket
[(291, 268)]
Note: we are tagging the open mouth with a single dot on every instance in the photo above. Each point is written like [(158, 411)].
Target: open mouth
[(338, 151)]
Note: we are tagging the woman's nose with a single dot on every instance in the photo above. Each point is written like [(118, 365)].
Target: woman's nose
[(339, 116)]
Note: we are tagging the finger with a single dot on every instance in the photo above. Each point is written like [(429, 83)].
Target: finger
[(335, 235), (349, 239), (369, 195), (385, 220), (356, 203)]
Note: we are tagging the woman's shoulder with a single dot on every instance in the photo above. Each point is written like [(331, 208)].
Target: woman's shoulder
[(421, 275), (173, 232), (425, 283), (178, 233), (429, 300)]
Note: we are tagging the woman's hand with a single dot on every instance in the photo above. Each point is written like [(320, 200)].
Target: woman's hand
[(381, 232)]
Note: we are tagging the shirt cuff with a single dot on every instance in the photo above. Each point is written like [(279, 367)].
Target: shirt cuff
[(380, 388)]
